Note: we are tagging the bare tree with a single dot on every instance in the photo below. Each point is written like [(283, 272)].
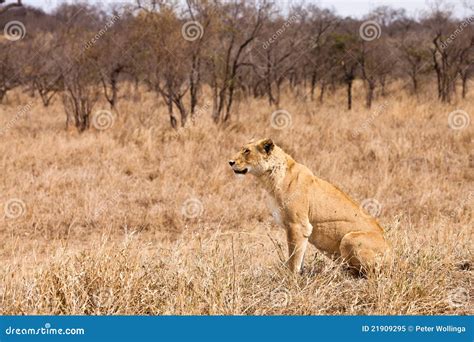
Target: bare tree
[(78, 99), (320, 26), (271, 59), (466, 60), (168, 64), (451, 47), (10, 76), (415, 57), (43, 73), (232, 49), (77, 67), (466, 71), (236, 26)]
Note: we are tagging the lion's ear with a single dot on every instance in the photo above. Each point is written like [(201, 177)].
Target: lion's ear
[(266, 146)]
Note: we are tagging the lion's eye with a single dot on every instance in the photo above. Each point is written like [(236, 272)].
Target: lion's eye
[(246, 151)]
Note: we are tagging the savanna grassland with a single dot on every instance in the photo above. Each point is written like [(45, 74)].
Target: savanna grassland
[(139, 218)]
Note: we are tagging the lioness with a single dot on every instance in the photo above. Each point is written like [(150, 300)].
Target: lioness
[(311, 209)]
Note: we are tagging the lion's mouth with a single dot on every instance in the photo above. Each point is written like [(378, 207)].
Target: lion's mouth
[(241, 172)]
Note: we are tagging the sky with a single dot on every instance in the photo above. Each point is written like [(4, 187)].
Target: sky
[(358, 8), (355, 8)]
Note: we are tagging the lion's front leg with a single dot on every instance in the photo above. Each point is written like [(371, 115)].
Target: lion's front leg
[(297, 237)]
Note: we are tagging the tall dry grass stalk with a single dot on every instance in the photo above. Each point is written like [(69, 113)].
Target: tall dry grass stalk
[(140, 219)]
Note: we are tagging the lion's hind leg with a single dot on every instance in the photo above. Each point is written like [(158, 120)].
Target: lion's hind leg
[(361, 250)]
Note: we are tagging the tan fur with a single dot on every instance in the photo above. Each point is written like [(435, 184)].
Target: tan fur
[(311, 209)]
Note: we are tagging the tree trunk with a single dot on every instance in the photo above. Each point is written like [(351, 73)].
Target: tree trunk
[(414, 80), (178, 101), (215, 102), (313, 85), (173, 121), (113, 85), (229, 102), (349, 94), (370, 93), (113, 79), (3, 92), (382, 85), (321, 93), (278, 91), (464, 85), (268, 84)]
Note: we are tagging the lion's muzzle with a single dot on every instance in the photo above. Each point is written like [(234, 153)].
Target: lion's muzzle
[(237, 171)]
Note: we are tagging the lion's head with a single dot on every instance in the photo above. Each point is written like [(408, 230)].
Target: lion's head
[(253, 157)]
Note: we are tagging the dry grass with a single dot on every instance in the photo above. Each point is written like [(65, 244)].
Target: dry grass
[(104, 232)]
